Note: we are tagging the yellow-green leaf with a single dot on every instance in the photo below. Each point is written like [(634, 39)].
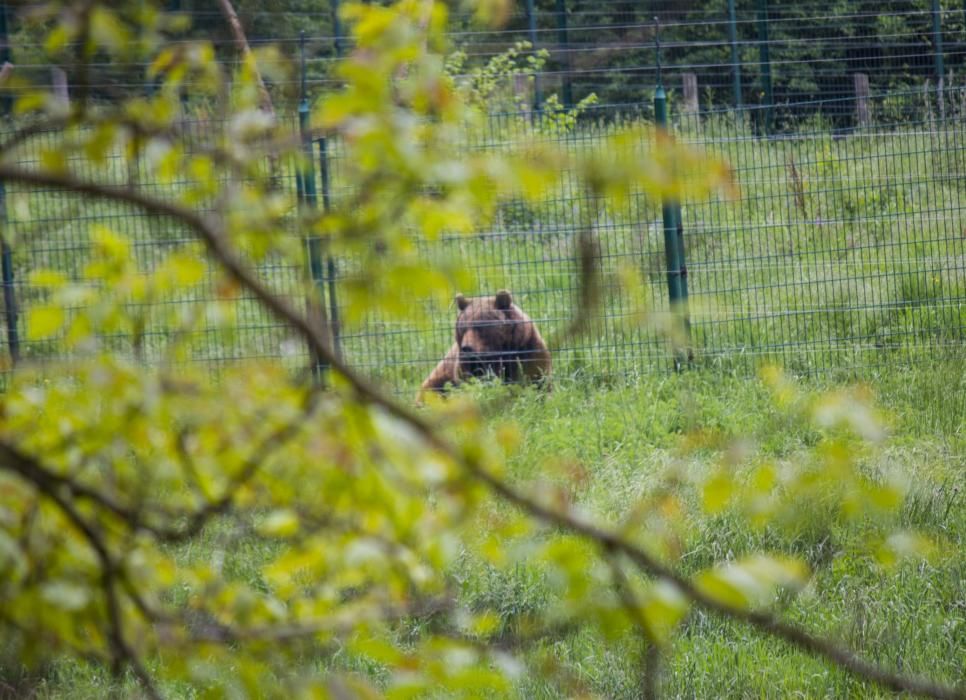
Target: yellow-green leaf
[(110, 244), (751, 582), (717, 492), (44, 322), (663, 607), (905, 544), (280, 523), (65, 595), (108, 30), (48, 279), (54, 160), (30, 102), (164, 60), (57, 39)]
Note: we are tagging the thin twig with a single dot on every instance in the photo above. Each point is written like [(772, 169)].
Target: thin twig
[(218, 632), (256, 458), (650, 674), (241, 42)]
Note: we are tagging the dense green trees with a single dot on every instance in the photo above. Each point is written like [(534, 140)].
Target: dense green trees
[(815, 48)]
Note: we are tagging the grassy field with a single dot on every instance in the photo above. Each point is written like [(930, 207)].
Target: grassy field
[(628, 436)]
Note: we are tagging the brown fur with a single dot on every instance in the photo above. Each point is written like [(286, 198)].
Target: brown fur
[(493, 336)]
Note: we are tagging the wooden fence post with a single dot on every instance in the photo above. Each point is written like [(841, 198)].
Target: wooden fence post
[(690, 93), (863, 116), (524, 91), (58, 81)]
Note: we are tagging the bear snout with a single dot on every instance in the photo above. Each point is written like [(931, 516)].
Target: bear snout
[(474, 363)]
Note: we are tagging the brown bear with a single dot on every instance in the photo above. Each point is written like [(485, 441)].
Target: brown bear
[(493, 337)]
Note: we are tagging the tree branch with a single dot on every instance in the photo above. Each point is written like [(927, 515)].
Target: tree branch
[(47, 481), (238, 33), (121, 652), (219, 248)]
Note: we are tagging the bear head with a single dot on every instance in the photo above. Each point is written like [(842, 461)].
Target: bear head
[(494, 336)]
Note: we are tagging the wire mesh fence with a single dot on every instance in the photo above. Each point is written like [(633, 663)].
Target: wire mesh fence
[(844, 249), (48, 229), (846, 246)]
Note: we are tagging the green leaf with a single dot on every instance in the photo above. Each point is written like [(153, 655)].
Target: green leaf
[(47, 279), (57, 39), (717, 492), (663, 607), (44, 322), (65, 595), (279, 523), (751, 582)]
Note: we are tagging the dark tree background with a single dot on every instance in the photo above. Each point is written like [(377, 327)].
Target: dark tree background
[(815, 47)]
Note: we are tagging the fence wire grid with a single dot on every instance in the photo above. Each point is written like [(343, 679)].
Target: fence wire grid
[(846, 247)]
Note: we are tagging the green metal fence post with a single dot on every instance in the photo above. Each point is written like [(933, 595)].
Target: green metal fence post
[(330, 270), (6, 253), (764, 61), (735, 65), (306, 180), (174, 6), (334, 327), (532, 24), (336, 27), (327, 202), (563, 40), (673, 230), (938, 60), (9, 291)]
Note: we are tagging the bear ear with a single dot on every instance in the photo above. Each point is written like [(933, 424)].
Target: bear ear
[(462, 302), (503, 300)]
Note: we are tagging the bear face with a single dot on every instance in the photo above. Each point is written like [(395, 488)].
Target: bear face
[(493, 337)]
